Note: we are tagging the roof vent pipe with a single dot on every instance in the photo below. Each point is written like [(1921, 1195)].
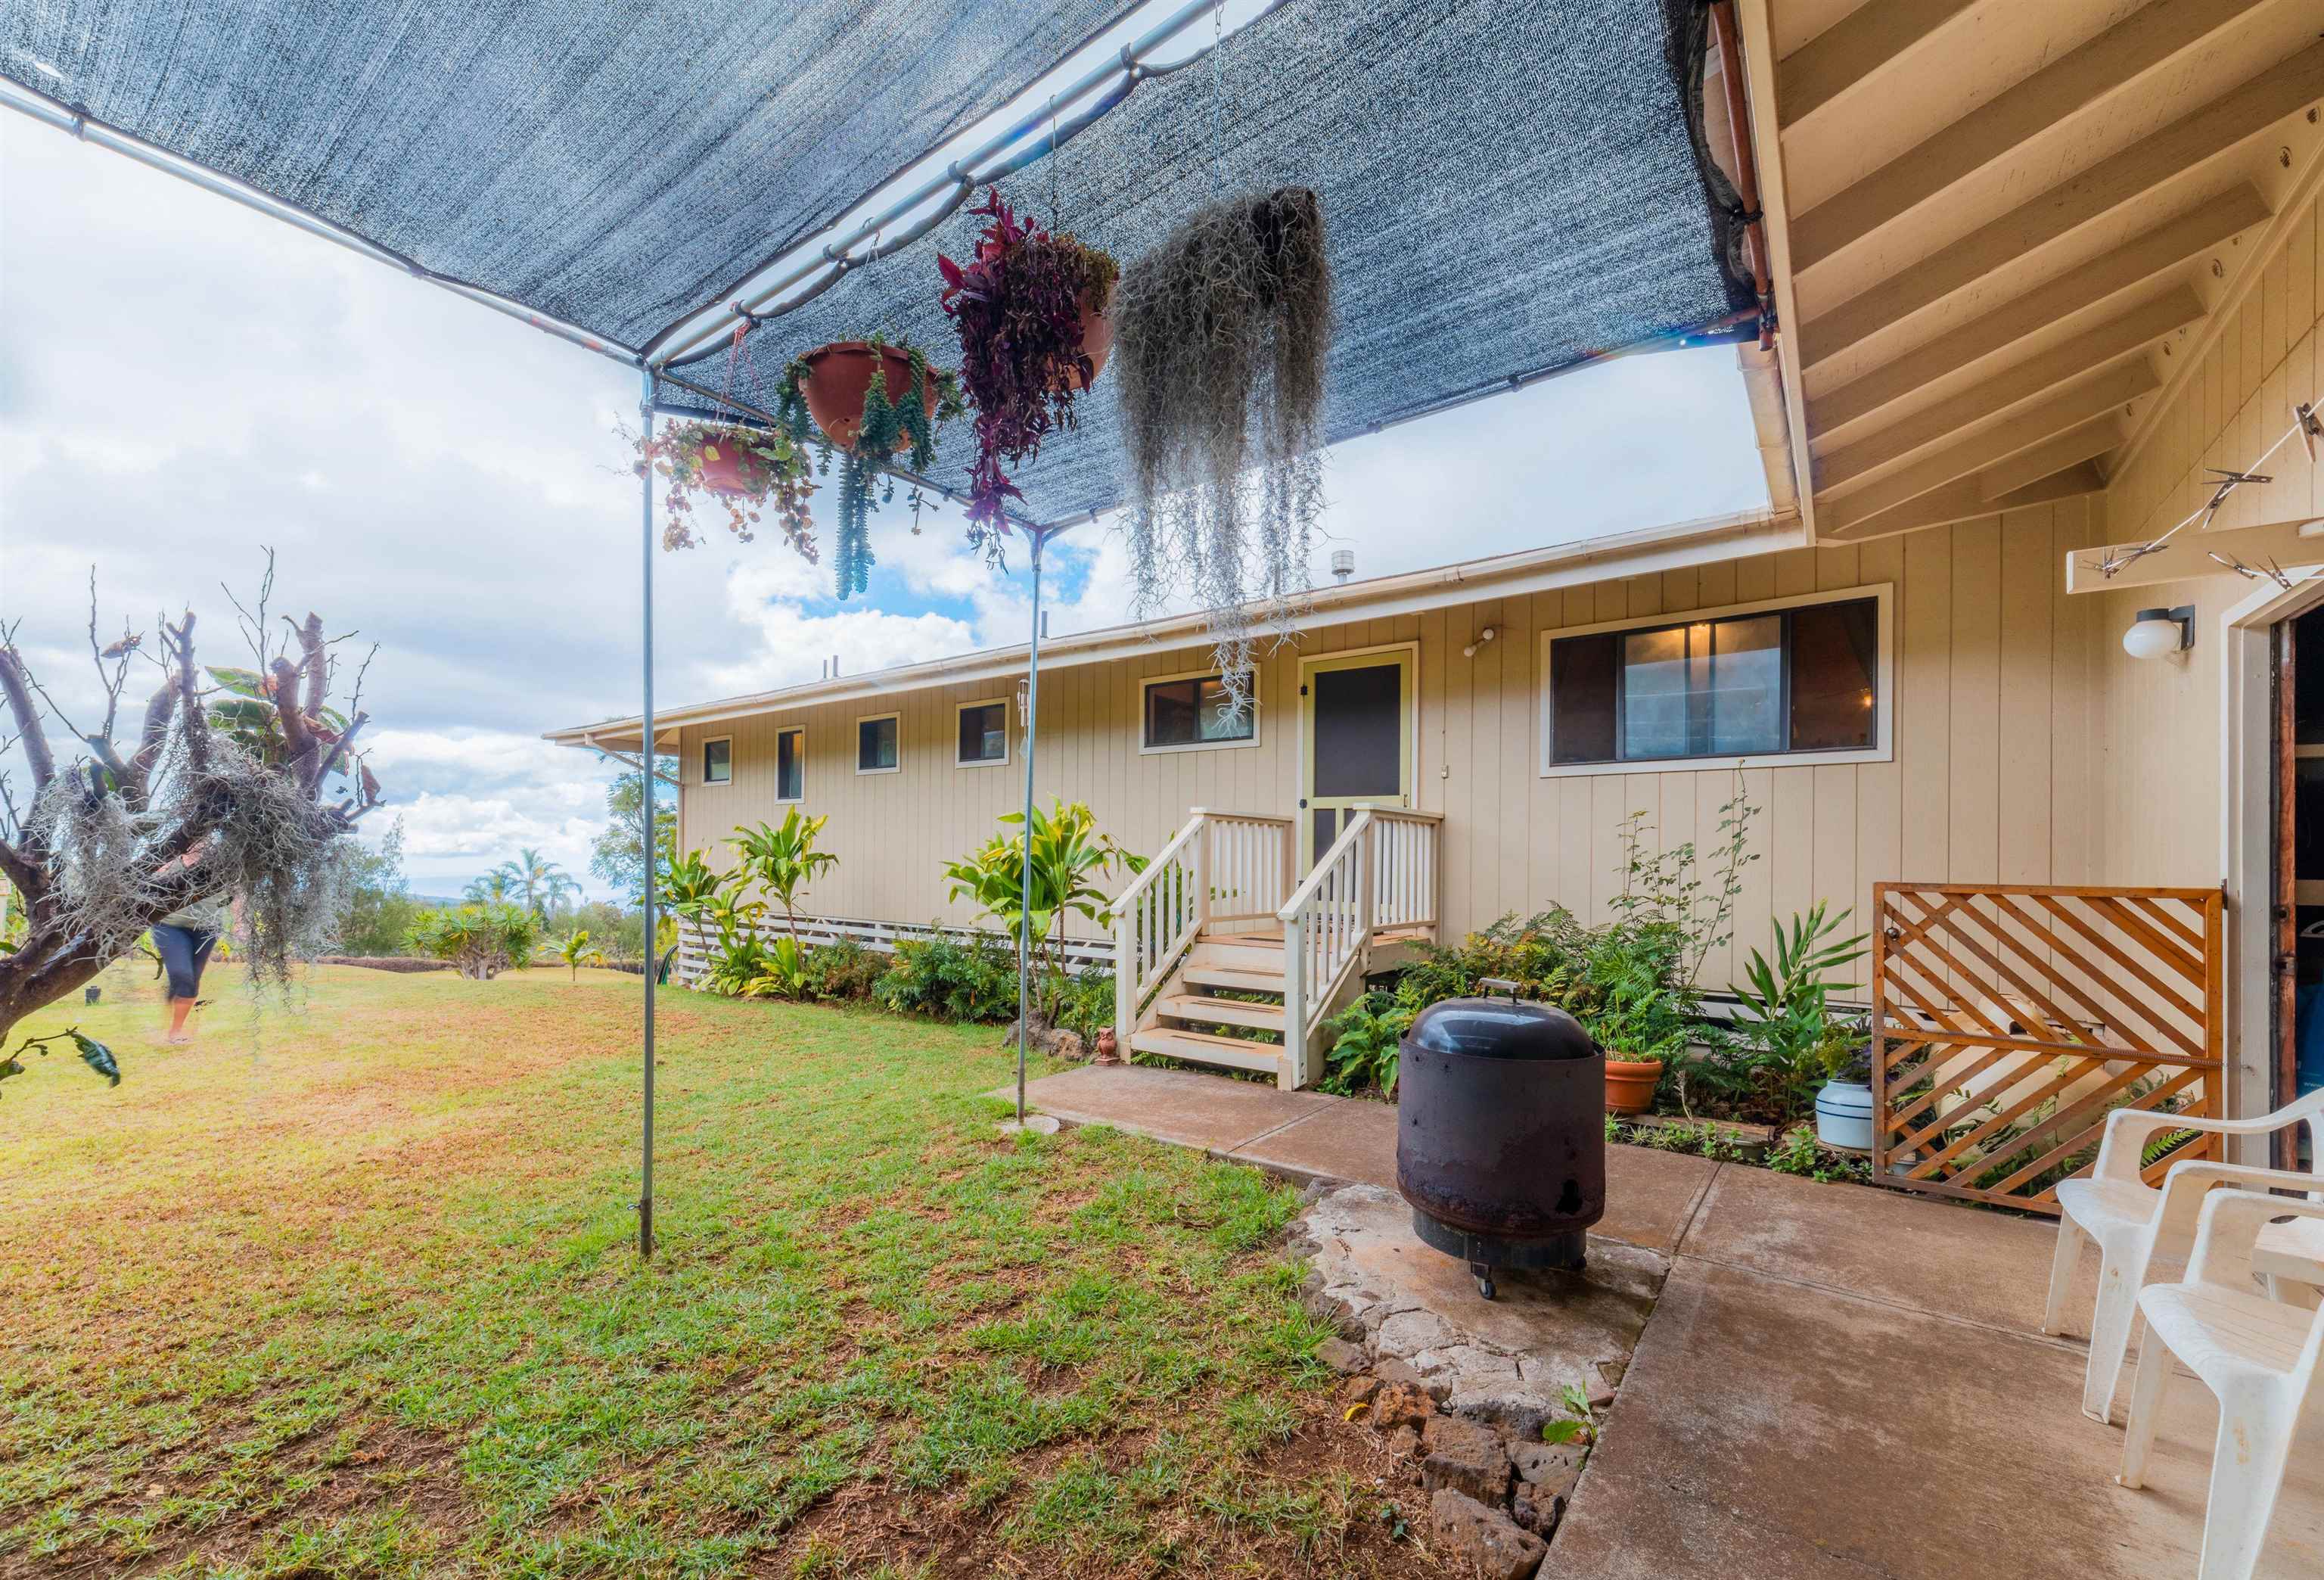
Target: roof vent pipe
[(1343, 563)]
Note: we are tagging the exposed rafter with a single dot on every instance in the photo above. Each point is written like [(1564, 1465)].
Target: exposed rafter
[(1966, 501), (2064, 89), (1855, 47)]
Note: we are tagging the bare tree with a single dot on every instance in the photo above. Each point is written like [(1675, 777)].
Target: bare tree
[(251, 773)]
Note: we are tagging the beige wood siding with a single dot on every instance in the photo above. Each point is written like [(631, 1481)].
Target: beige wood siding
[(1990, 779)]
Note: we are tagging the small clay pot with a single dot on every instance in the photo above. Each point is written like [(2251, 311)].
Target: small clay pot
[(729, 469), (839, 375), (1630, 1084)]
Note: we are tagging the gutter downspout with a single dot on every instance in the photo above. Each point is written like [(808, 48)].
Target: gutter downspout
[(1746, 167)]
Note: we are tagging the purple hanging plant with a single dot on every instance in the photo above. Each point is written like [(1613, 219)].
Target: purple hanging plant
[(1032, 311)]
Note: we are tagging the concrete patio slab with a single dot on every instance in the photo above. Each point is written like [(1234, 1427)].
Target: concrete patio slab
[(1651, 1197), (1773, 1430), (1211, 1112), (1351, 1142), (1930, 1255)]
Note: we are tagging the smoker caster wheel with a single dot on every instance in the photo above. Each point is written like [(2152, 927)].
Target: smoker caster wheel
[(1484, 1281)]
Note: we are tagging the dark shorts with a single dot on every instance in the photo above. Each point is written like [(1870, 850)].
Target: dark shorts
[(184, 952)]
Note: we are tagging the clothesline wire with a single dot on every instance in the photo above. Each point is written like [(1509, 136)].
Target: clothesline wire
[(2303, 419)]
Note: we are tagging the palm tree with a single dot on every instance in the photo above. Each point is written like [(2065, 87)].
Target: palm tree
[(577, 951), (492, 889), (540, 882)]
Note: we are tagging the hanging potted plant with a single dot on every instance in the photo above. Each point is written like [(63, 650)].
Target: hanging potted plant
[(870, 420), (1222, 334), (747, 470), (1034, 312)]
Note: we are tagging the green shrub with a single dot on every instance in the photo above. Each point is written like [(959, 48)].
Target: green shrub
[(480, 941), (1086, 1004), (1367, 1041), (845, 972), (951, 981)]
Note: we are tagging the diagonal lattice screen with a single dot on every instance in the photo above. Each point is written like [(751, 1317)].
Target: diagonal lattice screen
[(617, 165), (1509, 186)]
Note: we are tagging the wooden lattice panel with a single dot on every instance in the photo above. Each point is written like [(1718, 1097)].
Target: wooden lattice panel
[(2009, 1020)]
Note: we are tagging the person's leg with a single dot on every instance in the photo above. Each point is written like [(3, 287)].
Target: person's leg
[(176, 946)]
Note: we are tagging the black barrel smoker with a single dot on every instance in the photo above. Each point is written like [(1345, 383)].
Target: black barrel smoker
[(1500, 1135)]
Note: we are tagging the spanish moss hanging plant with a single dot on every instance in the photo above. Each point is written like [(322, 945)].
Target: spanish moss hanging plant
[(1222, 333), (870, 422), (748, 470), (1031, 307)]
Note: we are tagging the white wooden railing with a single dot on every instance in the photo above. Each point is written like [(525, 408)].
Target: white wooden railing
[(1379, 874), (1223, 868)]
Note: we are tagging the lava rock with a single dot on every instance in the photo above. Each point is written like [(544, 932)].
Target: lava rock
[(1483, 1541), (1537, 1509), (1341, 1356), (1552, 1466), (1359, 1390), (1399, 1404), (1403, 1372), (1466, 1456)]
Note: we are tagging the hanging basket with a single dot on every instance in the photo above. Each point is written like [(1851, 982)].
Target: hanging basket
[(839, 375), (1097, 339), (729, 470)]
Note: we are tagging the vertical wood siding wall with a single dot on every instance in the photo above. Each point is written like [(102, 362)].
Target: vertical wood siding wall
[(1990, 779), (2158, 790)]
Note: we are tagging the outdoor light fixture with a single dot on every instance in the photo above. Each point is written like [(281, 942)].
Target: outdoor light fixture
[(1343, 563), (2158, 633), (1484, 636)]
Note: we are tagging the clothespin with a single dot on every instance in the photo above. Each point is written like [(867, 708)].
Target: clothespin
[(2311, 426)]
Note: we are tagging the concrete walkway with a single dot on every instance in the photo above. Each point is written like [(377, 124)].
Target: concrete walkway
[(1836, 1383)]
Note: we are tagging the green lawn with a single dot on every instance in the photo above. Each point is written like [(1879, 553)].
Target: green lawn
[(349, 1287)]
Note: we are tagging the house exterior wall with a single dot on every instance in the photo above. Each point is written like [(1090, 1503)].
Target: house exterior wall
[(1990, 778)]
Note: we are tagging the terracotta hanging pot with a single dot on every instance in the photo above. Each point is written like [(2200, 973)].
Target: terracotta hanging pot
[(1097, 339), (729, 469), (839, 375), (1630, 1084)]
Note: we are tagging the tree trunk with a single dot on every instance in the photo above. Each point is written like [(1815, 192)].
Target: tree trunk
[(47, 967)]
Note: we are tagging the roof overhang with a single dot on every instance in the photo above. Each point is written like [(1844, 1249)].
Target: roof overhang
[(1646, 552)]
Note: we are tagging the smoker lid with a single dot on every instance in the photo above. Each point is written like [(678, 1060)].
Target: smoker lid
[(1499, 1029)]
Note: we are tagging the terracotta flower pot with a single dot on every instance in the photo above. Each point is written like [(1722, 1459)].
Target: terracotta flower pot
[(1630, 1084), (728, 469), (839, 375), (1097, 339)]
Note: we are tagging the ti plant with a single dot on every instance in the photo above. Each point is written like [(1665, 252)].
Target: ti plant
[(781, 859), (1786, 1002), (93, 1053), (1068, 855)]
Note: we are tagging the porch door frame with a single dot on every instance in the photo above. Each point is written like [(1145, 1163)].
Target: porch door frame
[(1405, 653), (2250, 776)]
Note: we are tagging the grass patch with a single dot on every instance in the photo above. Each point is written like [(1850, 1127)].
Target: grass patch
[(349, 1288)]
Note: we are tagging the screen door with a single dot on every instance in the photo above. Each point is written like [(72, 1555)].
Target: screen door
[(1356, 715)]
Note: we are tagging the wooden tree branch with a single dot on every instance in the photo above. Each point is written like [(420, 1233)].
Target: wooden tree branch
[(339, 749), (189, 700), (137, 788), (315, 661), (300, 749), (15, 683)]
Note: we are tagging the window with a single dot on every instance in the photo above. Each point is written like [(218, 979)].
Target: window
[(791, 765), (875, 744), (1190, 711), (718, 759), (984, 734), (1757, 681)]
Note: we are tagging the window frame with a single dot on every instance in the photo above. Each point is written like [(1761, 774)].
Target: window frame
[(1209, 672), (702, 762), (866, 718), (800, 731), (1006, 752), (1884, 697)]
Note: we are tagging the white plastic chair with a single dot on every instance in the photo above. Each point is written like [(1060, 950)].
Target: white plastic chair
[(2257, 1355), (2131, 1221)]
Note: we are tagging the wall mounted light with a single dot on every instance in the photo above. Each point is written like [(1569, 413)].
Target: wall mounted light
[(1484, 636), (2159, 633)]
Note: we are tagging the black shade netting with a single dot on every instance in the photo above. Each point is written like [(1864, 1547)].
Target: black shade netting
[(1509, 186), (618, 165)]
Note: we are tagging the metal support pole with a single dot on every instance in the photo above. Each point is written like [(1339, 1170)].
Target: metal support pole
[(1025, 870), (647, 808)]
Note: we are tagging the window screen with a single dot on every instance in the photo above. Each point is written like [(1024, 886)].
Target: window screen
[(717, 762), (875, 744), (984, 733), (791, 765), (1803, 680), (1194, 713)]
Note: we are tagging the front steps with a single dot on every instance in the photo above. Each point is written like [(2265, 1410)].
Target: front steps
[(1222, 1006)]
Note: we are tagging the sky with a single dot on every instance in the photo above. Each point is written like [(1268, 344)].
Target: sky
[(185, 383)]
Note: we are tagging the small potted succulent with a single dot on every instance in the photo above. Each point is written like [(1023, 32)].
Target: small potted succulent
[(870, 422), (1034, 309), (1843, 1105), (748, 470)]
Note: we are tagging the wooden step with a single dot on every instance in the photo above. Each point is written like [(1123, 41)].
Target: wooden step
[(1200, 974), (1202, 1047), (1239, 955), (1222, 1012)]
